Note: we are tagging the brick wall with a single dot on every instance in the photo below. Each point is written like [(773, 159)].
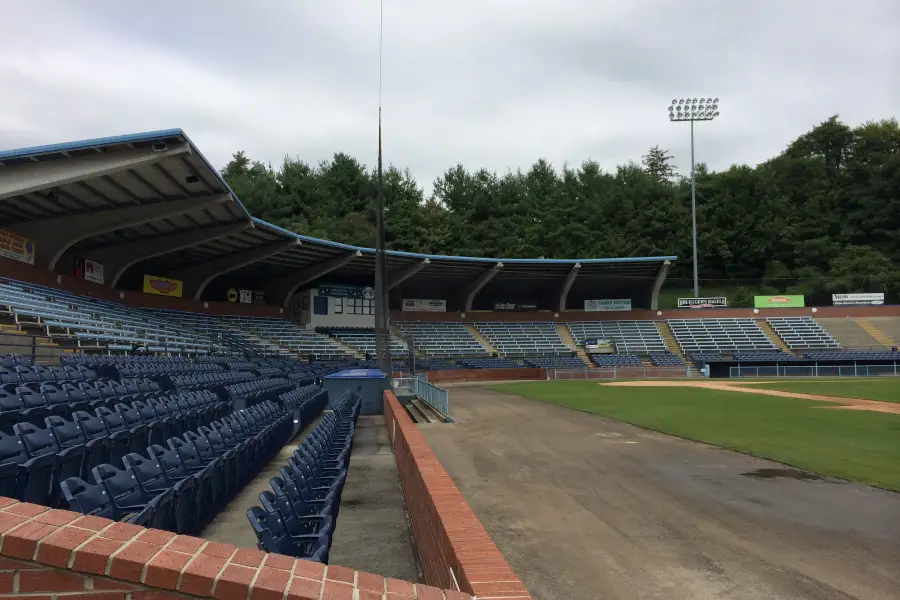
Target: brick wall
[(447, 533), (60, 555)]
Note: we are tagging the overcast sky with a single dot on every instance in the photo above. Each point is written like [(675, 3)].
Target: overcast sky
[(485, 83)]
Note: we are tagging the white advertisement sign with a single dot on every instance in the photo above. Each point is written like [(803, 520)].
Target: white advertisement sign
[(607, 305), (422, 305), (246, 296), (93, 271), (851, 299)]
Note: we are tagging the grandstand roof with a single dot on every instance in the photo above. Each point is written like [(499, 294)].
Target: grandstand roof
[(152, 203)]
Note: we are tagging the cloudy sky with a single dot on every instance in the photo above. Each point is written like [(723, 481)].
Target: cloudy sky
[(493, 83)]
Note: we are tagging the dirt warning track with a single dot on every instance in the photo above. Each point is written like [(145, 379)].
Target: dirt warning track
[(845, 403)]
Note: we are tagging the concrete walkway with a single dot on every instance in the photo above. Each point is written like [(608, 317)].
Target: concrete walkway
[(372, 529)]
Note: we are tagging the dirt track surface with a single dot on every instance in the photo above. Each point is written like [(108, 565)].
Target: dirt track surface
[(844, 403), (587, 508)]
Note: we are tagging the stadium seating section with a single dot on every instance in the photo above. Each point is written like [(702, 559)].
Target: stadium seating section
[(524, 339), (641, 337), (555, 362), (776, 356), (719, 335), (443, 340), (853, 355), (488, 363), (617, 360), (665, 359), (800, 333), (298, 341), (363, 339)]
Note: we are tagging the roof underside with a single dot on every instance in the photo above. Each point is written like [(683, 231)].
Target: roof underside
[(188, 177)]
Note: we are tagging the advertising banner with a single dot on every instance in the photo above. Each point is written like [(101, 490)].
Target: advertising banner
[(259, 297), (89, 270), (16, 247), (419, 305), (246, 296), (857, 299), (163, 286), (779, 301), (346, 291), (607, 305), (717, 302), (515, 306)]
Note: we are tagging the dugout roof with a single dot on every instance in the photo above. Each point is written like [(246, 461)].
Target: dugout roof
[(152, 203)]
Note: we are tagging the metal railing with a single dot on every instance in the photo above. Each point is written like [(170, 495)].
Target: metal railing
[(437, 397), (817, 370), (623, 373)]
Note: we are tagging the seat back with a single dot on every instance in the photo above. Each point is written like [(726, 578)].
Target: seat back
[(87, 499)]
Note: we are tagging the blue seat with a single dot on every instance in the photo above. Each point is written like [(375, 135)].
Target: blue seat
[(140, 438), (36, 407), (69, 462), (69, 434), (295, 524), (129, 500), (272, 536), (153, 479), (87, 499), (23, 477), (120, 440), (11, 407)]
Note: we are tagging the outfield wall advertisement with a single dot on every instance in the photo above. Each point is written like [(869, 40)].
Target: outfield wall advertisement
[(607, 305), (163, 286), (717, 302), (16, 247), (424, 305), (785, 301), (857, 299)]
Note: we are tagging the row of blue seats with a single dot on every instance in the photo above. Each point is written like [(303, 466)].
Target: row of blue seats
[(28, 374), (617, 360), (204, 380), (180, 487), (489, 363), (556, 362), (14, 360), (34, 458), (298, 516), (854, 355), (665, 359), (259, 388), (777, 356)]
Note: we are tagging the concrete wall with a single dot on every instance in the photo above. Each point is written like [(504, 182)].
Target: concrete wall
[(486, 375), (60, 555), (448, 535), (332, 319)]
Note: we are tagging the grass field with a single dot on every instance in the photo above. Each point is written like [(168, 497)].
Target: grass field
[(886, 389), (856, 445)]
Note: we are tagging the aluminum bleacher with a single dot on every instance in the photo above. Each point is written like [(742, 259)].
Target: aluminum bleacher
[(719, 335), (90, 323), (363, 339), (442, 340), (524, 339), (217, 329), (802, 333), (295, 340), (641, 337)]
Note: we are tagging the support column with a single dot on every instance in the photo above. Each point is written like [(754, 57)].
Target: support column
[(657, 285), (283, 289), (58, 234), (482, 280), (567, 285), (401, 275), (196, 278)]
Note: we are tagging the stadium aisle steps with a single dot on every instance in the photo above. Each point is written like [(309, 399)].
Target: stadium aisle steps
[(567, 339), (669, 338), (879, 336), (772, 335), (489, 347), (848, 333), (355, 352)]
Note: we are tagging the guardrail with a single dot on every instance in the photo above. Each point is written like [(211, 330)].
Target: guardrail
[(437, 397), (817, 370), (623, 373)]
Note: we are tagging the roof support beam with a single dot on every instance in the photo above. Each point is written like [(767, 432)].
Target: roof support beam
[(482, 280), (567, 285), (283, 289), (118, 258), (197, 277), (401, 275), (61, 233), (657, 285), (28, 178)]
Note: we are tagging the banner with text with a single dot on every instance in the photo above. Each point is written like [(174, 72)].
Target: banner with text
[(515, 306), (717, 302), (419, 305), (346, 291), (163, 286), (16, 247), (779, 301), (607, 305), (857, 299), (89, 270)]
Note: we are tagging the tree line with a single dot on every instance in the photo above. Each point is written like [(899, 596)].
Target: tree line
[(822, 217)]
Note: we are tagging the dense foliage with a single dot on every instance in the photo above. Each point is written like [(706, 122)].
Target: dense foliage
[(821, 217)]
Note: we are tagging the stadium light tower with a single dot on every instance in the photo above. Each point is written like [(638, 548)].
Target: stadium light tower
[(694, 109)]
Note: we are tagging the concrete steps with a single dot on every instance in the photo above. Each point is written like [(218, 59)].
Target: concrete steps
[(879, 336), (489, 347), (566, 336), (671, 343), (773, 335), (848, 333)]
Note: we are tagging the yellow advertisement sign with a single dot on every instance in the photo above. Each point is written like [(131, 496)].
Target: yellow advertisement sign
[(163, 286), (16, 247)]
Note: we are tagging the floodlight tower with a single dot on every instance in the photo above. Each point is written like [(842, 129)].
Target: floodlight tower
[(693, 109)]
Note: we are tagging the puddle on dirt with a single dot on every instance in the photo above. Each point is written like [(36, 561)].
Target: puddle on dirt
[(782, 474)]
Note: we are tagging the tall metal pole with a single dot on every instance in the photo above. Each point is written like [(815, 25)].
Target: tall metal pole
[(694, 213), (382, 306)]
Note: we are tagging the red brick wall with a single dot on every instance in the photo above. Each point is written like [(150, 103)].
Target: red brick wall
[(447, 533), (60, 555), (485, 375)]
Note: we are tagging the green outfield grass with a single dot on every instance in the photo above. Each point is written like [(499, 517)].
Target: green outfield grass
[(886, 389), (860, 446)]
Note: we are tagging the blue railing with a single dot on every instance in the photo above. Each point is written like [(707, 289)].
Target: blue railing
[(438, 398), (817, 370)]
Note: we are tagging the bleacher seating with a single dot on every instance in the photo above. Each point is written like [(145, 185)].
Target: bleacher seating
[(435, 364), (556, 362), (489, 363), (777, 356), (363, 339), (299, 515), (219, 330), (616, 360), (802, 333), (640, 337), (295, 340), (445, 340), (665, 359), (853, 355), (524, 339), (718, 335), (704, 357)]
